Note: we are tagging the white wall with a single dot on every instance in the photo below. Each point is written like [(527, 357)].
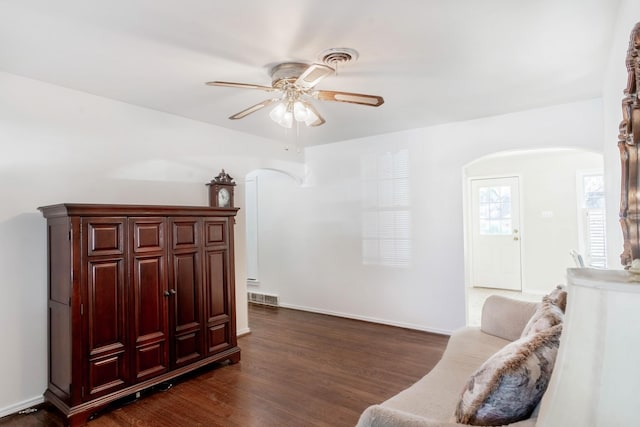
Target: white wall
[(60, 145), (547, 184), (311, 242), (614, 84)]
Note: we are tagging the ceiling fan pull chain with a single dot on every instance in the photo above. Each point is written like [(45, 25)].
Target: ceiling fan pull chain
[(300, 141)]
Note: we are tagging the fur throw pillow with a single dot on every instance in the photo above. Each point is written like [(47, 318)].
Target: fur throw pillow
[(549, 313), (558, 297), (509, 385)]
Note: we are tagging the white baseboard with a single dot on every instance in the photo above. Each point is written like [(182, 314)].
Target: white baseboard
[(17, 407), (368, 319), (243, 331)]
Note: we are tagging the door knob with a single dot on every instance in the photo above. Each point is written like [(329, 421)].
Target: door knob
[(172, 291), (516, 238), (166, 293)]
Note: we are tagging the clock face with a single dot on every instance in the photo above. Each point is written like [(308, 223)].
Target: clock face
[(223, 198)]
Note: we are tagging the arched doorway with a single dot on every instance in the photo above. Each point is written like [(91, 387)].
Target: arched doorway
[(263, 189), (524, 214)]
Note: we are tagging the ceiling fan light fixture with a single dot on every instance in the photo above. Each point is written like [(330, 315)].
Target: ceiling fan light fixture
[(311, 117), (282, 116), (300, 111), (285, 112), (287, 120), (277, 113)]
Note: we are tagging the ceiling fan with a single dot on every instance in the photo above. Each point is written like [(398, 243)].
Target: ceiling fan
[(294, 83)]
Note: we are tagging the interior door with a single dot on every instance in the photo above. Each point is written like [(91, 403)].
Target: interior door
[(495, 233)]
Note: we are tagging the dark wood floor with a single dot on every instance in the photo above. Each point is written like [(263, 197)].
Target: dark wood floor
[(297, 369)]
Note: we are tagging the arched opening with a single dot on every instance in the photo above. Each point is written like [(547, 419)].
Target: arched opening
[(525, 213), (266, 212)]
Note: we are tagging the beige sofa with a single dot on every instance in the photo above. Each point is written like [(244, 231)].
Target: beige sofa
[(431, 402)]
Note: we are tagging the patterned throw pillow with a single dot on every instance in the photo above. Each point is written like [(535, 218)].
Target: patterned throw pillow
[(558, 297), (508, 386), (549, 313)]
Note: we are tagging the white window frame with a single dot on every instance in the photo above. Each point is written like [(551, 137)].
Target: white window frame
[(386, 210), (583, 244)]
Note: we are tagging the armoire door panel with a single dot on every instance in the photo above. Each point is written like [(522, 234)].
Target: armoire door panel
[(185, 233), (104, 310), (106, 374), (105, 236), (149, 290), (105, 305), (60, 346), (217, 303), (187, 303), (218, 337), (148, 235), (150, 319), (151, 359), (215, 232), (60, 261), (149, 295), (187, 290), (187, 347)]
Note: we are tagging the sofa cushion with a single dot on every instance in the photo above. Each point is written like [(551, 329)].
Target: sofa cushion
[(509, 385)]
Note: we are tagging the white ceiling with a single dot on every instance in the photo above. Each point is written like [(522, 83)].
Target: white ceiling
[(433, 61)]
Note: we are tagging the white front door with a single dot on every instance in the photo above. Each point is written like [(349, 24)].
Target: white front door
[(495, 233)]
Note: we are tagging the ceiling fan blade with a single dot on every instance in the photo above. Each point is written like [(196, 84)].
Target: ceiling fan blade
[(319, 119), (354, 98), (241, 85), (253, 109), (312, 75)]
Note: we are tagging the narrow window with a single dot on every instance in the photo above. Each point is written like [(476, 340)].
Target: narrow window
[(386, 215), (593, 220)]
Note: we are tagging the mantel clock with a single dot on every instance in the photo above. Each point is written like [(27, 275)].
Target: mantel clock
[(221, 191)]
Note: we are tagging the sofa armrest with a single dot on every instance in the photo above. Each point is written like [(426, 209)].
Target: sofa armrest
[(382, 416), (506, 317)]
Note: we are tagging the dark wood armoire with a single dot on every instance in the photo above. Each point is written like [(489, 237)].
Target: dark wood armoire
[(137, 296)]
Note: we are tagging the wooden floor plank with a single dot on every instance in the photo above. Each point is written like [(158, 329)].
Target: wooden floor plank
[(297, 369)]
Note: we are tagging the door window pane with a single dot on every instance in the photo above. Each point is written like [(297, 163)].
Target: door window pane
[(495, 210)]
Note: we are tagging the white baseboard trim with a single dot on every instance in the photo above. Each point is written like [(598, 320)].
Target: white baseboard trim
[(243, 331), (17, 407), (367, 319)]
